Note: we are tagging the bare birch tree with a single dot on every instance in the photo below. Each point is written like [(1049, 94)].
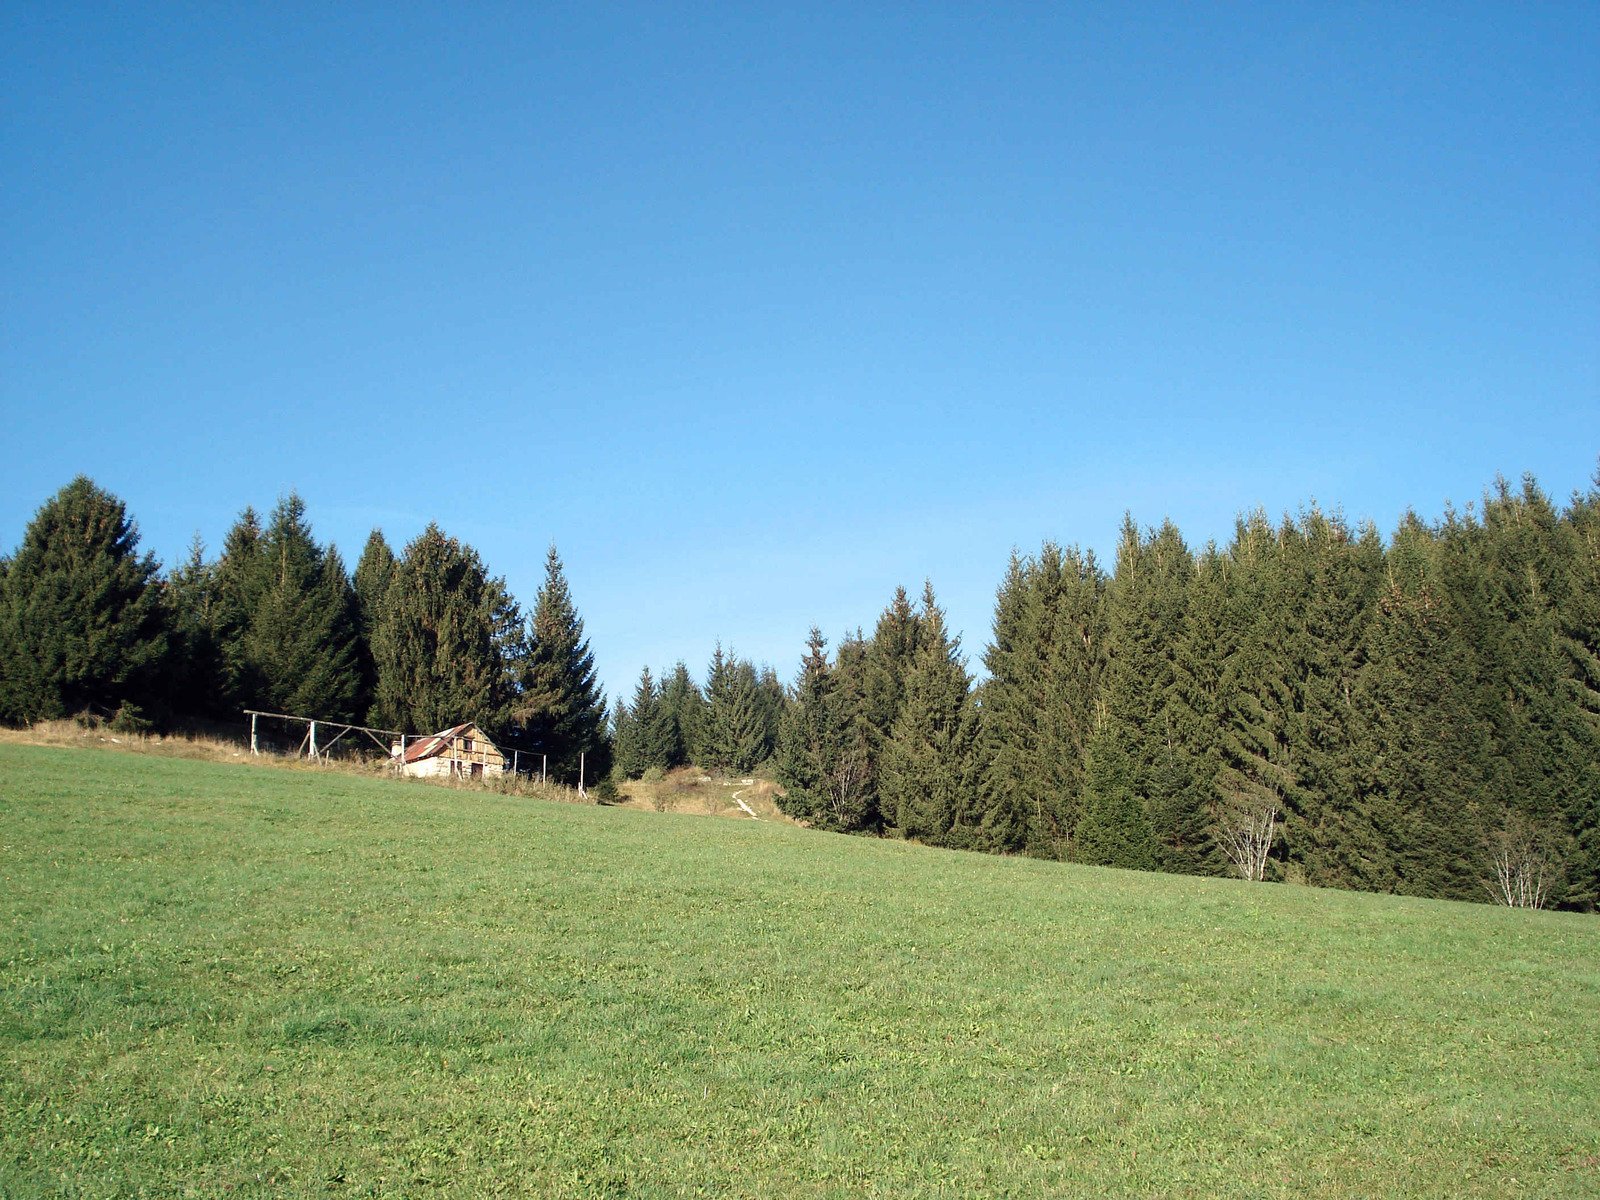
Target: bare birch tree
[(847, 786), (1526, 860), (1246, 828)]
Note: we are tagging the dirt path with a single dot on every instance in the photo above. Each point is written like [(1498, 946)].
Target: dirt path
[(738, 798)]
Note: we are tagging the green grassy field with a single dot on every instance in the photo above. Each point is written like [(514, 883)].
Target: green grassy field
[(232, 980)]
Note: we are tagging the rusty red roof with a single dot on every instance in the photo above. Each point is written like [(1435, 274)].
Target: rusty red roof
[(435, 743)]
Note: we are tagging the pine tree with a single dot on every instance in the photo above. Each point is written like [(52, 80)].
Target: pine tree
[(374, 572), (683, 712), (434, 641), (1038, 703), (806, 743), (641, 740), (1140, 696), (890, 653), (1578, 618), (560, 709), (927, 765), (853, 785), (81, 626), (1333, 594), (626, 761), (1548, 746), (239, 582), (1424, 737), (1115, 830), (772, 701), (1207, 641), (196, 679), (735, 731), (301, 640), (1254, 761)]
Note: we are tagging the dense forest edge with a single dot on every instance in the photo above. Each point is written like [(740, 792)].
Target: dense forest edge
[(1307, 703)]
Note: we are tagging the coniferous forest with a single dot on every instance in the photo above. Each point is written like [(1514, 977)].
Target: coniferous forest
[(414, 642), (1308, 703)]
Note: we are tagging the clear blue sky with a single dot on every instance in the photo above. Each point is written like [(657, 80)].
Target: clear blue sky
[(759, 311)]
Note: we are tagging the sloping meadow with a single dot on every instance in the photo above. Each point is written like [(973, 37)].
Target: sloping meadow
[(223, 979)]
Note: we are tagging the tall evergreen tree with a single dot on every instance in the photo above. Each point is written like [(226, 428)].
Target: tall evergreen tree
[(1578, 617), (735, 730), (772, 701), (1333, 588), (642, 731), (890, 653), (81, 624), (374, 572), (1548, 747), (683, 711), (1038, 703), (196, 679), (1425, 737), (1139, 695), (927, 759), (626, 761), (823, 757), (854, 783), (301, 640), (239, 582), (1115, 830), (434, 641), (1254, 751), (806, 744), (561, 710)]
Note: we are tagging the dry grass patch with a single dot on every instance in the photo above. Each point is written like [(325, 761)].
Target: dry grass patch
[(692, 791), (212, 745)]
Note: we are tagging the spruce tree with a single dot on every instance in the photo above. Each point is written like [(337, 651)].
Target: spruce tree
[(1548, 746), (1578, 620), (806, 743), (1254, 760), (1139, 695), (772, 700), (374, 571), (434, 641), (683, 712), (1333, 594), (301, 640), (735, 731), (641, 740), (1038, 703), (1115, 830), (927, 760), (560, 709), (626, 761), (239, 581), (81, 624), (854, 784), (196, 681), (890, 653), (1425, 738)]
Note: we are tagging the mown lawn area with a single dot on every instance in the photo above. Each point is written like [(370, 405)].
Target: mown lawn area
[(235, 980)]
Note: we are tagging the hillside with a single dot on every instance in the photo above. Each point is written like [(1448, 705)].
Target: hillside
[(227, 979)]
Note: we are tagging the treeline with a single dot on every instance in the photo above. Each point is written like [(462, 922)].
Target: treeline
[(414, 642), (732, 725), (1305, 703)]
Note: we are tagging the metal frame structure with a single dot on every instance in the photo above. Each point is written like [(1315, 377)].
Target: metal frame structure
[(310, 748), (309, 745)]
